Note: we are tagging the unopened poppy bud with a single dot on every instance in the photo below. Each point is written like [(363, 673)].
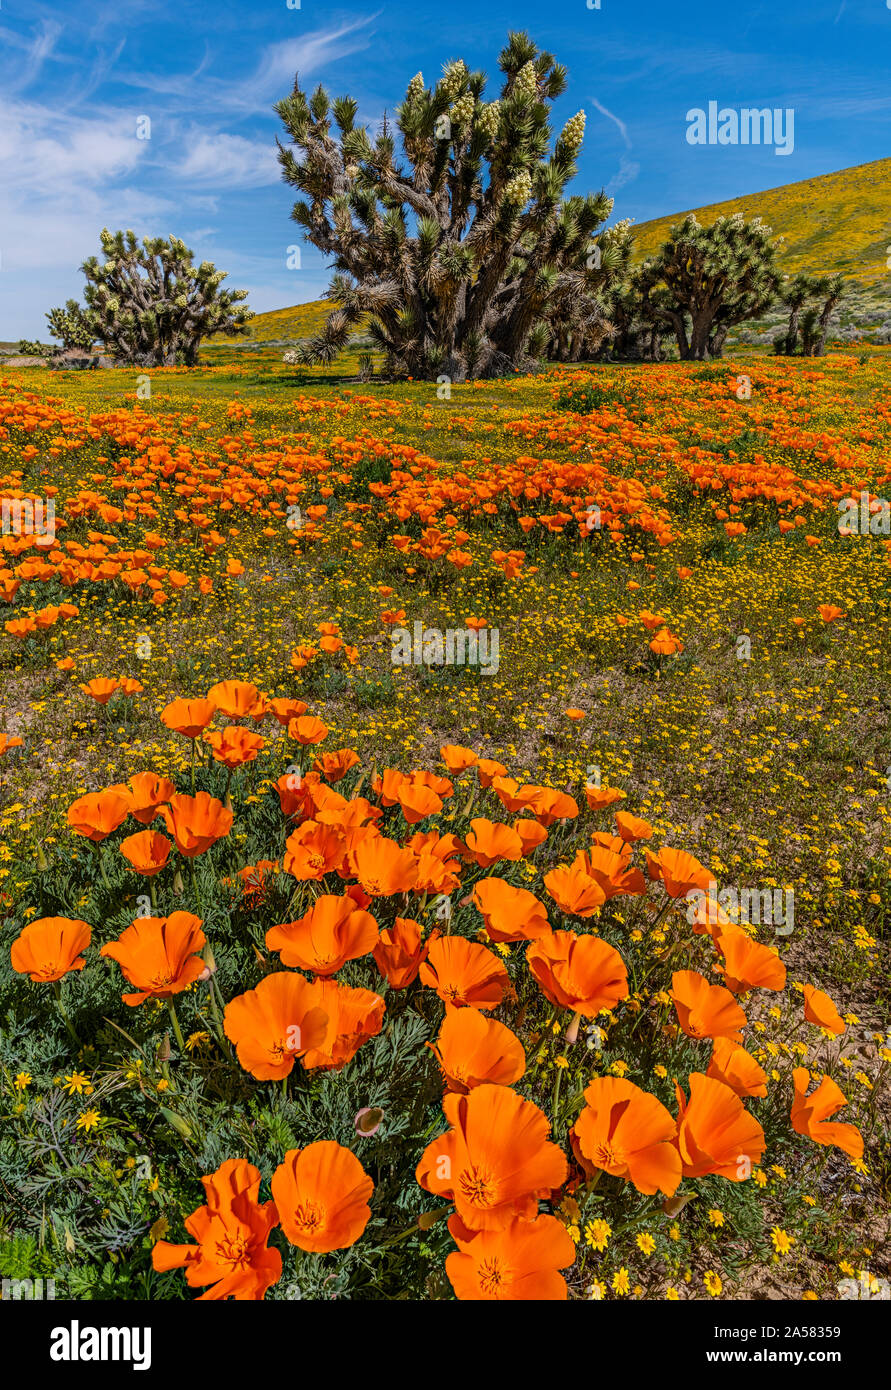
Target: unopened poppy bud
[(177, 1122), (164, 1048), (368, 1120), (210, 965), (178, 884), (430, 1218), (42, 861), (572, 1032), (672, 1205)]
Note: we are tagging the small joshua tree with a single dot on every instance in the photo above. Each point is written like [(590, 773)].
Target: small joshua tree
[(705, 280), (71, 326), (466, 257), (151, 306), (808, 326)]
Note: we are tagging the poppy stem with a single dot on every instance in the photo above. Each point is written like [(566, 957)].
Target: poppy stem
[(57, 991), (193, 766), (176, 1028), (215, 1007), (556, 1097), (102, 873), (153, 894)]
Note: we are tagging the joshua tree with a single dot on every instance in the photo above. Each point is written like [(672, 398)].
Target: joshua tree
[(71, 326), (707, 279), (151, 306), (813, 324), (466, 256)]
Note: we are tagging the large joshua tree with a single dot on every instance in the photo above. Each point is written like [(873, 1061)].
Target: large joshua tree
[(151, 305), (462, 251), (705, 280)]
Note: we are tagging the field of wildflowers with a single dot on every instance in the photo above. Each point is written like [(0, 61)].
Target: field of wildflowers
[(558, 972)]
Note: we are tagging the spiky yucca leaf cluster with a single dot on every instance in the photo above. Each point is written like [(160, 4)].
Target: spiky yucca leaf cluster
[(465, 252)]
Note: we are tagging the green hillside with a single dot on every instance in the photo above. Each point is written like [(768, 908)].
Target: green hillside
[(837, 222), (278, 325)]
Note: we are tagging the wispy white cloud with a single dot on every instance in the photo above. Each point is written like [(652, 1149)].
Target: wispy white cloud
[(627, 173), (272, 77), (219, 159), (622, 127)]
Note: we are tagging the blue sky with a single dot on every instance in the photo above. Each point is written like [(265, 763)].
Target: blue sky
[(76, 77)]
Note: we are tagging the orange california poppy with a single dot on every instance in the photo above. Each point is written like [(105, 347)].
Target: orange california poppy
[(417, 801), (488, 769), (158, 955), (333, 931), (464, 973), (188, 717), (510, 914), (629, 1133), (234, 746), (678, 871), (313, 850), (49, 947), (611, 870), (706, 915), (399, 952), (196, 822), (829, 612), (275, 1023), (574, 891), (631, 828), (6, 743), (306, 729), (383, 867), (96, 815), (101, 689), (519, 1263), (666, 643), (737, 1068), (488, 841), (148, 851), (599, 798), (334, 766), (473, 1049), (810, 1114), (704, 1010), (297, 794), (582, 973), (495, 1161), (231, 1229), (749, 965), (321, 1194), (356, 1015), (819, 1009), (437, 871), (255, 881), (716, 1134), (548, 805), (147, 793), (283, 711), (531, 834), (456, 758), (235, 699)]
